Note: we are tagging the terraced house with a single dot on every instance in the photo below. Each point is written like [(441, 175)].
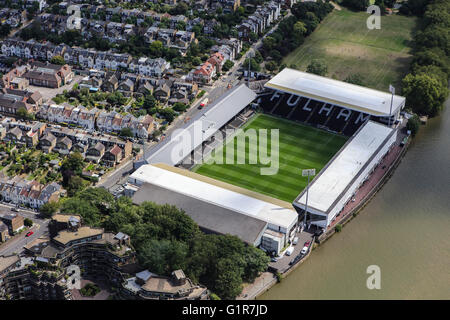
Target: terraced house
[(12, 100), (22, 192)]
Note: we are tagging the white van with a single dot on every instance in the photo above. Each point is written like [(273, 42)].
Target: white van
[(289, 251), (295, 241)]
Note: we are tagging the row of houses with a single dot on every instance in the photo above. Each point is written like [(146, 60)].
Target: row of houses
[(85, 58), (137, 15), (166, 90), (96, 119), (171, 38), (262, 18), (120, 32), (13, 100), (54, 138), (22, 192), (12, 17), (42, 74)]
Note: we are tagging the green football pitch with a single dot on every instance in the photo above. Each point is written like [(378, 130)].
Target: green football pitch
[(300, 147)]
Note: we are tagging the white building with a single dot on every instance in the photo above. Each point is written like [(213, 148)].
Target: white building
[(336, 184), (217, 206)]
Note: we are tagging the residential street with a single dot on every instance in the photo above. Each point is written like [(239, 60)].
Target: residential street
[(15, 245)]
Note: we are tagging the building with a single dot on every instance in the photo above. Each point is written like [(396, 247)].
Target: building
[(349, 97), (148, 286), (14, 222), (213, 119), (337, 183), (12, 100), (49, 75), (216, 206)]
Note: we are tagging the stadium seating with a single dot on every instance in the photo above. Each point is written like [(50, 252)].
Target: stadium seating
[(283, 109), (279, 106), (299, 113), (351, 126)]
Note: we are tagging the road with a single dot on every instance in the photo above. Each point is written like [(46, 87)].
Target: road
[(119, 176), (15, 245)]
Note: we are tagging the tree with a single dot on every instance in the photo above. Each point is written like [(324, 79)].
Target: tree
[(48, 209), (227, 65), (360, 5), (156, 48), (317, 67), (126, 132), (149, 102), (58, 60), (75, 184), (180, 107), (381, 5), (256, 262), (355, 78), (271, 66), (228, 283), (74, 162), (413, 124), (424, 93), (300, 28), (28, 222), (254, 66), (22, 113), (434, 56)]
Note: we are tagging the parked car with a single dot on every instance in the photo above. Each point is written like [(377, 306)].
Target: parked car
[(289, 251), (274, 259), (15, 209), (304, 250), (29, 234), (295, 241), (307, 243)]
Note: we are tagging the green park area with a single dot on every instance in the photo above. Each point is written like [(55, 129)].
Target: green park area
[(342, 40)]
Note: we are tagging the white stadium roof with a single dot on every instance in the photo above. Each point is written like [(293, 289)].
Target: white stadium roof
[(332, 181), (195, 186), (335, 92), (204, 125)]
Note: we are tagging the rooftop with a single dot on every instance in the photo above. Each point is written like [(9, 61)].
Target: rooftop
[(6, 262), (344, 167), (215, 193), (202, 126), (335, 92), (65, 236)]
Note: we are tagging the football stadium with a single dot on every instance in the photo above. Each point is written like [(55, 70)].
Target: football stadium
[(341, 130), (300, 146)]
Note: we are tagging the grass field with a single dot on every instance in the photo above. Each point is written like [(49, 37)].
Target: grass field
[(300, 147), (380, 56)]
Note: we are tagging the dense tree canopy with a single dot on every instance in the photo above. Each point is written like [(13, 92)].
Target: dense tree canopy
[(318, 67), (425, 87), (424, 93)]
